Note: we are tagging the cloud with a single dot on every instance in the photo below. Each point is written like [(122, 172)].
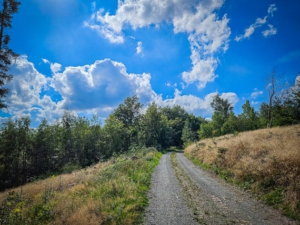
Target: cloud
[(95, 88), (139, 48), (271, 31), (102, 84), (196, 105), (254, 103), (207, 33), (258, 23), (55, 67), (272, 8), (45, 60), (25, 91), (256, 93)]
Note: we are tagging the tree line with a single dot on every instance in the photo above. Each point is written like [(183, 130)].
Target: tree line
[(74, 142), (282, 108)]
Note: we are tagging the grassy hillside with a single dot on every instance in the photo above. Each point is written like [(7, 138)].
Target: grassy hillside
[(106, 193), (265, 161)]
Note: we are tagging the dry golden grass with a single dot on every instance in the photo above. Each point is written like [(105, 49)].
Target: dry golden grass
[(107, 193), (61, 182), (268, 159)]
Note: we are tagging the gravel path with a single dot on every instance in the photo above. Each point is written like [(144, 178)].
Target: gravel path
[(166, 201), (216, 202), (184, 194)]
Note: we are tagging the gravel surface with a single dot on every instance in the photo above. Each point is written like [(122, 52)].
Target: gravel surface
[(184, 194), (216, 202), (167, 204)]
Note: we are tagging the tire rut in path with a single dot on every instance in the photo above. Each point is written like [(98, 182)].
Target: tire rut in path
[(216, 202), (166, 201)]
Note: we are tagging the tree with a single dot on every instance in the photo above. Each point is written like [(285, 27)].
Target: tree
[(206, 130), (176, 117), (221, 106), (128, 111), (263, 114), (114, 133), (6, 54), (154, 128), (248, 119), (231, 125), (188, 135), (293, 99), (129, 114), (274, 86)]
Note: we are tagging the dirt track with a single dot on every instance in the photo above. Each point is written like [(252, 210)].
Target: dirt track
[(185, 194)]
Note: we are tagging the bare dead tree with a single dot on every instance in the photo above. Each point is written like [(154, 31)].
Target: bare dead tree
[(274, 88)]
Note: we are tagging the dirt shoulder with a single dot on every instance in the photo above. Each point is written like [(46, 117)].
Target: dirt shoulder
[(215, 202)]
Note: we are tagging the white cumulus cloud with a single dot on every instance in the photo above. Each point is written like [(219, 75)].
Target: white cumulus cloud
[(102, 84), (25, 91), (196, 105), (207, 32), (94, 88)]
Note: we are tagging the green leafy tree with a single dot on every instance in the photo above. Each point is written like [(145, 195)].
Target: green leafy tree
[(114, 133), (188, 135), (206, 130), (221, 106), (154, 128), (129, 113), (9, 154), (69, 154), (292, 101), (176, 117), (248, 119), (263, 115), (231, 125), (9, 7)]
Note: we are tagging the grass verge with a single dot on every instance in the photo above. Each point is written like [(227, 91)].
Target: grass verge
[(107, 193), (266, 162)]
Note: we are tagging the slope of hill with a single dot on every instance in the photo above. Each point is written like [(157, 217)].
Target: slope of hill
[(107, 193), (266, 161)]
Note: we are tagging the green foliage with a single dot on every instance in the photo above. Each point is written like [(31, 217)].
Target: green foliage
[(9, 7), (176, 117), (155, 131), (221, 106), (188, 135), (206, 130), (274, 197), (117, 194), (10, 209)]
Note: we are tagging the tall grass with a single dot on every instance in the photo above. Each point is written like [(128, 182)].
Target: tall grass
[(107, 193), (265, 161)]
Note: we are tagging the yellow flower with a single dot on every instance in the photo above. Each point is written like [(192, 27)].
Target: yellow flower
[(17, 210)]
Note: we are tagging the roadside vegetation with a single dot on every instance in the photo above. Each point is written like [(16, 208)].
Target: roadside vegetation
[(74, 142), (71, 143), (265, 161), (113, 192)]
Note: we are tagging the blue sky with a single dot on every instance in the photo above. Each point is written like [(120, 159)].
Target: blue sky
[(88, 56)]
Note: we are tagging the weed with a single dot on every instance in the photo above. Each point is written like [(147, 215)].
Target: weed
[(222, 150), (274, 197)]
